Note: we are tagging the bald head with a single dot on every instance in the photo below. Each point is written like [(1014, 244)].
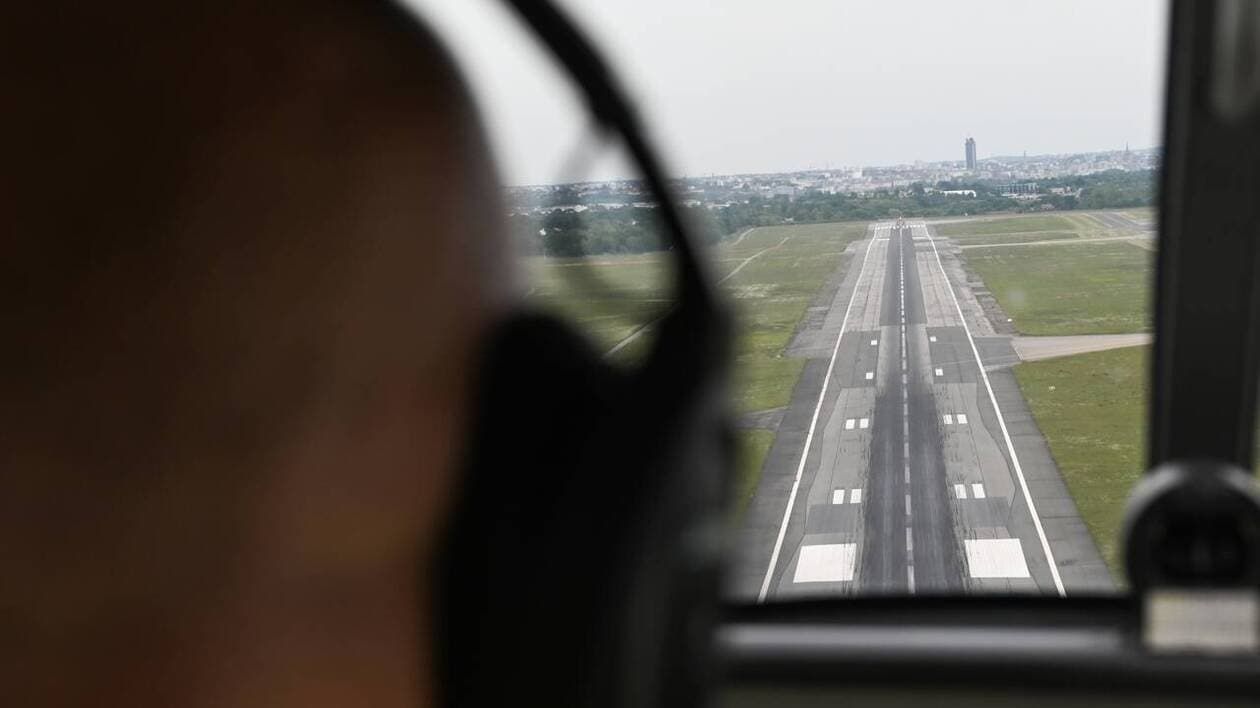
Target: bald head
[(250, 249)]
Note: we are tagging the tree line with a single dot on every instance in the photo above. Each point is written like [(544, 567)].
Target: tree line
[(635, 229)]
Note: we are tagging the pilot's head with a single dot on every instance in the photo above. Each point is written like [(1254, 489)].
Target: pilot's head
[(248, 252)]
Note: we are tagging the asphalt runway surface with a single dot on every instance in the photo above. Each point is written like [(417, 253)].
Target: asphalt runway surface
[(907, 462)]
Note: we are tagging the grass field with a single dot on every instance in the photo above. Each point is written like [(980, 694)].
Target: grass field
[(610, 297), (606, 297), (1023, 237), (1086, 288), (753, 445), (1008, 225), (1091, 409), (770, 295)]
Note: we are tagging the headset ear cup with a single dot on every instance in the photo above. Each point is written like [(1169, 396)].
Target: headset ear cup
[(579, 568), (514, 627)]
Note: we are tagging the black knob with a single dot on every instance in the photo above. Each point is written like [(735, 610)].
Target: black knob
[(1193, 524)]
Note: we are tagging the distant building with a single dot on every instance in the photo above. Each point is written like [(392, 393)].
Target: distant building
[(971, 153)]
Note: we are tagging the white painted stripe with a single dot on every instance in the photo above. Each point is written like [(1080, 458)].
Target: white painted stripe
[(995, 558), (909, 540), (940, 371), (949, 419), (870, 375), (1006, 435), (826, 563), (837, 496), (855, 496), (910, 578), (962, 418), (849, 423), (864, 423), (809, 436), (907, 505), (874, 342), (977, 490), (932, 338), (960, 491)]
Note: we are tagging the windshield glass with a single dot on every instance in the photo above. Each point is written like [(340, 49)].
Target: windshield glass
[(936, 224)]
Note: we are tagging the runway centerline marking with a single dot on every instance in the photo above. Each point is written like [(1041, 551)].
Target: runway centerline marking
[(1006, 435), (809, 436)]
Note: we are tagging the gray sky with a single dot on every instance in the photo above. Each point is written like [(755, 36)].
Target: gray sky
[(772, 85)]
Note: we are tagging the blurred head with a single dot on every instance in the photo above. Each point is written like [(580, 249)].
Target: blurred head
[(248, 252)]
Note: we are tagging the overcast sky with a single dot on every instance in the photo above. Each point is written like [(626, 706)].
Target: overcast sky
[(732, 86)]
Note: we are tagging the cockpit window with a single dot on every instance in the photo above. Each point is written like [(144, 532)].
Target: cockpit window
[(936, 223)]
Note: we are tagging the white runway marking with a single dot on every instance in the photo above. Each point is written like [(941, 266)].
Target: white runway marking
[(909, 540), (874, 342), (809, 436), (1006, 435), (960, 490), (855, 496), (977, 490), (870, 375), (940, 371), (996, 558), (932, 338), (837, 496), (949, 419), (962, 418), (907, 505), (826, 563), (849, 423), (864, 423)]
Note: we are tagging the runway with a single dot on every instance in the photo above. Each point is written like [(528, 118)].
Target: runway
[(903, 466)]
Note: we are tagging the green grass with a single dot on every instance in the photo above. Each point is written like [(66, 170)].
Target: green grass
[(1011, 225), (1091, 409), (608, 297), (1087, 288), (771, 295), (752, 446), (984, 239)]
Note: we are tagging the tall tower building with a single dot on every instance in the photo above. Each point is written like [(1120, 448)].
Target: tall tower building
[(971, 153)]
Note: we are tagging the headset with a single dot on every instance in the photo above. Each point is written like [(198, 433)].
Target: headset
[(581, 563)]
